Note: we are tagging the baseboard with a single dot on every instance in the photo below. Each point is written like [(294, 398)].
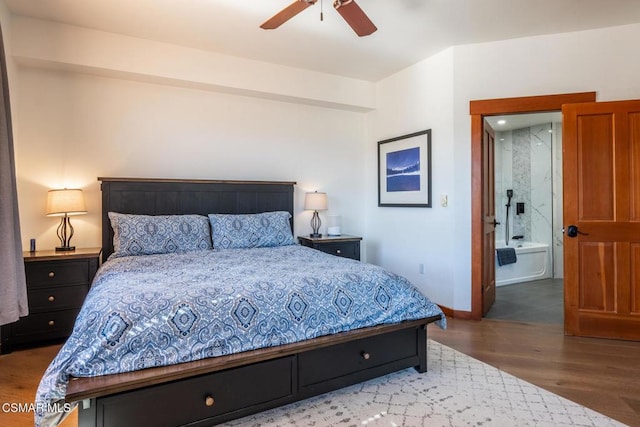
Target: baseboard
[(456, 314)]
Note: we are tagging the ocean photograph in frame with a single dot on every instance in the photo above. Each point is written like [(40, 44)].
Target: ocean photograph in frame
[(404, 170)]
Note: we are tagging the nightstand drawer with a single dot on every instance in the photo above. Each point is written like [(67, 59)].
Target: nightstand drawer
[(343, 246), (45, 326), (56, 298), (57, 273), (346, 250), (57, 283)]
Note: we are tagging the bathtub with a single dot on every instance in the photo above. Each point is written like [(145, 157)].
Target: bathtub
[(532, 264)]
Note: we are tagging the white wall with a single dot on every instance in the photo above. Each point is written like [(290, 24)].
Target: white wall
[(99, 104), (77, 127), (435, 94), (401, 239), (48, 44), (597, 60), (74, 127)]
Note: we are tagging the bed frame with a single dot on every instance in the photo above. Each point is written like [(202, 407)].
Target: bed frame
[(211, 391)]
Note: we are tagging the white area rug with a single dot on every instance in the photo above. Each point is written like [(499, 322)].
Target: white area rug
[(456, 391)]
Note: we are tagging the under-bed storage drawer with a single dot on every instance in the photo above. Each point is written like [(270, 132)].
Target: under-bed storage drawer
[(208, 397), (327, 366)]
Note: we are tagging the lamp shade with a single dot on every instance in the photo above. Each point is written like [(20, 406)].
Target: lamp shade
[(66, 201), (315, 201)]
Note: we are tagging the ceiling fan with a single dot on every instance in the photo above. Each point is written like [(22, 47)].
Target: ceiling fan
[(348, 9)]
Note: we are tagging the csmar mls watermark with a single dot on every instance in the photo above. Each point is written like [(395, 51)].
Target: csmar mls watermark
[(16, 407)]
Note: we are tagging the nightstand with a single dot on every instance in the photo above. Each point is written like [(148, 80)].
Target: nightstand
[(345, 246), (57, 283)]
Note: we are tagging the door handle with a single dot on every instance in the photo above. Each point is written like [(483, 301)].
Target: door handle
[(573, 231), (495, 223)]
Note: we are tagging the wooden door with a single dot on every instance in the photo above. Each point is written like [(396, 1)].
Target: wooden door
[(479, 109), (489, 219), (601, 166)]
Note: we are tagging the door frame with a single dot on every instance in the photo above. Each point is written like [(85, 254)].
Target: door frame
[(479, 109)]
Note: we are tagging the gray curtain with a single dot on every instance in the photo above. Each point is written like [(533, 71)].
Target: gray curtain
[(13, 290)]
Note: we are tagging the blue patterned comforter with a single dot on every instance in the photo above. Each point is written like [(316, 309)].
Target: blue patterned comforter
[(155, 310)]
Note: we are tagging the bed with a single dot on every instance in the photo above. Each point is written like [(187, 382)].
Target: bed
[(304, 322)]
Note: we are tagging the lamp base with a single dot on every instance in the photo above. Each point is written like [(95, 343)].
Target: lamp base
[(65, 248), (315, 235)]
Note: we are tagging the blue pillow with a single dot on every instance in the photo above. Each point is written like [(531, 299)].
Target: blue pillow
[(266, 229), (158, 234)]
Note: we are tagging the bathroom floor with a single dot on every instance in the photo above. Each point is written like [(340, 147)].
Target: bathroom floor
[(540, 301)]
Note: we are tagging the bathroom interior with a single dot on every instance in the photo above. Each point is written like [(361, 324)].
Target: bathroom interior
[(528, 198)]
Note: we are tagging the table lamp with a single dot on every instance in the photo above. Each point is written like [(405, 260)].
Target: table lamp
[(63, 203), (315, 202)]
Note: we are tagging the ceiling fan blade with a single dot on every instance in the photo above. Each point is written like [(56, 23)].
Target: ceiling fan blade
[(355, 17), (287, 13)]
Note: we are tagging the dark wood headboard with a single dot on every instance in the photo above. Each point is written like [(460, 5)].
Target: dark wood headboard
[(183, 196)]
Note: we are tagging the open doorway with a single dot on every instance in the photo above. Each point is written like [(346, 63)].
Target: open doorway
[(528, 214), (483, 260)]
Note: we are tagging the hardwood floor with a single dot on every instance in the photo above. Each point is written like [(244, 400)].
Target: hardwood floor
[(603, 375), (20, 374)]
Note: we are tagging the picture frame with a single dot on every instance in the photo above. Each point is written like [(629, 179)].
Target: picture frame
[(404, 170)]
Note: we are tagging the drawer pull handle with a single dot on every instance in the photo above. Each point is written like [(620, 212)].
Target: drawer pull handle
[(51, 274), (338, 251), (365, 355), (209, 401), (51, 298), (51, 322)]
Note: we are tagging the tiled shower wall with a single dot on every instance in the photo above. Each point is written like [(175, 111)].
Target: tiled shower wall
[(529, 162)]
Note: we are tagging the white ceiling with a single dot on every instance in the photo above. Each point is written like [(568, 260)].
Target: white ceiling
[(408, 30)]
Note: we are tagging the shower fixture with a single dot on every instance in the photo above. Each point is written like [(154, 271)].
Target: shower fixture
[(506, 222)]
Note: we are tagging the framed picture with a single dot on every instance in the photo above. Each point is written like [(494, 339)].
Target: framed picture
[(404, 170)]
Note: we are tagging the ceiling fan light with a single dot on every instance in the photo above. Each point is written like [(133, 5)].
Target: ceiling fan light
[(348, 9), (337, 4)]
